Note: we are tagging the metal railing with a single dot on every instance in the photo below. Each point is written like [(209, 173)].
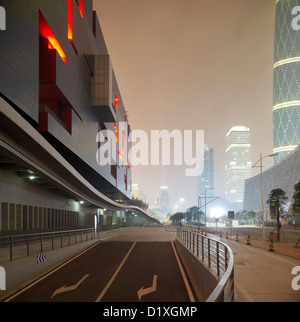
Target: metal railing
[(18, 246), (216, 255)]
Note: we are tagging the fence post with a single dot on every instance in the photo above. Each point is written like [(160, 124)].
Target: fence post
[(208, 245), (226, 259), (27, 245), (41, 243), (198, 244), (218, 261), (193, 243), (10, 248), (202, 246)]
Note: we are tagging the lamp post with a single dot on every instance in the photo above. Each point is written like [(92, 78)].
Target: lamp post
[(261, 185), (206, 188)]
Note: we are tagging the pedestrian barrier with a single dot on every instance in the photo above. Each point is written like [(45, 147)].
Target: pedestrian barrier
[(217, 255), (18, 246), (248, 240), (271, 246)]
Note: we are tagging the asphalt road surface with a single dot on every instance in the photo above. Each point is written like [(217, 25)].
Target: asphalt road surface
[(114, 271)]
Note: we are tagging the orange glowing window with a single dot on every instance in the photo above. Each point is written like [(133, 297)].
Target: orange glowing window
[(116, 132), (116, 101), (70, 25), (47, 33)]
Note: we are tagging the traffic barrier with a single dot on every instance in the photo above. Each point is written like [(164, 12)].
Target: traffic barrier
[(248, 240), (237, 238), (271, 246)]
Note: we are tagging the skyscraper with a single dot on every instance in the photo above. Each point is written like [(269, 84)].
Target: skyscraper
[(206, 180), (164, 197), (286, 92), (238, 165)]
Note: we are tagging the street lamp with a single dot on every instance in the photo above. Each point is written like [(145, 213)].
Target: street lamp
[(261, 184)]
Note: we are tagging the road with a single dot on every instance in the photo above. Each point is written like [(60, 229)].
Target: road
[(114, 271)]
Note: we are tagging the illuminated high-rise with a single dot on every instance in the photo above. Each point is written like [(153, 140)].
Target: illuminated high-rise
[(286, 93), (238, 165)]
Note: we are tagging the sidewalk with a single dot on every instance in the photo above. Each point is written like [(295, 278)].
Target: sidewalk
[(288, 249), (262, 275)]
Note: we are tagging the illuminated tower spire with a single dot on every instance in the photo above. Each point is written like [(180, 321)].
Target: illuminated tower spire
[(286, 91)]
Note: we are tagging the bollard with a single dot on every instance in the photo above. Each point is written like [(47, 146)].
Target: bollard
[(248, 240), (271, 246), (227, 235), (221, 233), (237, 238)]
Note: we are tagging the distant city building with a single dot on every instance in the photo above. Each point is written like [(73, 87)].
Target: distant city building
[(138, 193), (238, 165), (164, 196), (206, 180), (286, 92)]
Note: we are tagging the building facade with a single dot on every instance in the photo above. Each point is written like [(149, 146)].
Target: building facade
[(286, 93), (283, 175), (60, 108), (238, 165)]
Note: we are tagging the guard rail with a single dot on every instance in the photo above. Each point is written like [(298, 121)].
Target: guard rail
[(216, 255), (18, 246)]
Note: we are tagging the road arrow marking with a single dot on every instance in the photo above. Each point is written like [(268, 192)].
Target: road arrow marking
[(65, 288), (143, 291)]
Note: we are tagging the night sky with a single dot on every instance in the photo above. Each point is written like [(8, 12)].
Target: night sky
[(193, 64)]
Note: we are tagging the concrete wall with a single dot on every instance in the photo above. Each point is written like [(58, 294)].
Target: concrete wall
[(203, 281)]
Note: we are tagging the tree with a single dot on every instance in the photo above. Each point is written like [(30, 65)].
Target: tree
[(277, 199), (296, 197), (251, 215), (177, 217)]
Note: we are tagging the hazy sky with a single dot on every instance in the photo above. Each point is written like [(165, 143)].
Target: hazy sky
[(193, 64)]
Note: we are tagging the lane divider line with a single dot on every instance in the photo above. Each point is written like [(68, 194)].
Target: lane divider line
[(99, 298), (187, 285)]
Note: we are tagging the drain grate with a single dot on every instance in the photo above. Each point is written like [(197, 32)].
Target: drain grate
[(239, 264)]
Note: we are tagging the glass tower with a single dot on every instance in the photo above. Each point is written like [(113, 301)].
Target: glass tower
[(286, 92), (206, 180), (238, 165)]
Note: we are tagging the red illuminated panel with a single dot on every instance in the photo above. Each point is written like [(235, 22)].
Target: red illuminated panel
[(70, 24), (80, 7), (47, 33), (116, 132), (116, 101)]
